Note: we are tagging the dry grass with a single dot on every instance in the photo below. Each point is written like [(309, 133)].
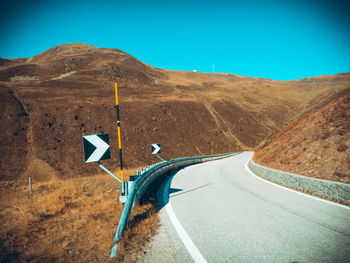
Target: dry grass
[(69, 221), (316, 145)]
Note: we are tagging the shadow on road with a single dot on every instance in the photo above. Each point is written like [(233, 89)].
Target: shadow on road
[(174, 190), (188, 191), (159, 195)]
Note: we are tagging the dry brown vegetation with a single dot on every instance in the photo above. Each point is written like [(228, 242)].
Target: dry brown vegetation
[(72, 220), (47, 102), (316, 145)]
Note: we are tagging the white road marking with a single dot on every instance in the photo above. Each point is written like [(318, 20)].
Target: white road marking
[(190, 246), (291, 190)]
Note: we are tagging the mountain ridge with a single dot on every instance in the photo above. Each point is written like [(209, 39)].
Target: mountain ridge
[(68, 91)]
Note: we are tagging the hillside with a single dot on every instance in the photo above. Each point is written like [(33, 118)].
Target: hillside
[(316, 145), (49, 101)]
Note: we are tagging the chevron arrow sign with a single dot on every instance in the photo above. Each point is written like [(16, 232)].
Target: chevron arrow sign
[(96, 147), (155, 148)]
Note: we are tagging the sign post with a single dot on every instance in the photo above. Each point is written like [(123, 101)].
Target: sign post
[(123, 194), (96, 148)]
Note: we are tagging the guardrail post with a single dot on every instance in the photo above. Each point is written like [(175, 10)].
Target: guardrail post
[(131, 184)]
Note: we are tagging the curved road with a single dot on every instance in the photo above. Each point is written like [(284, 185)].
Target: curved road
[(219, 212)]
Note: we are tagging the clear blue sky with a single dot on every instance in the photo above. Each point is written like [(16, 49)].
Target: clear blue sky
[(272, 39)]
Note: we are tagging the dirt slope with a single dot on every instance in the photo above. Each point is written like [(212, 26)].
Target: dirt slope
[(50, 100), (316, 145)]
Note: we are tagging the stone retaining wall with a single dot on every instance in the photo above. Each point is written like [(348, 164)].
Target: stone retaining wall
[(325, 189)]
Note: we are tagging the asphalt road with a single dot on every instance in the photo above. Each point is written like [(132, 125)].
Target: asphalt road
[(220, 212)]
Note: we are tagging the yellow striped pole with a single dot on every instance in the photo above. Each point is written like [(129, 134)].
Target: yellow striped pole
[(119, 139), (212, 147)]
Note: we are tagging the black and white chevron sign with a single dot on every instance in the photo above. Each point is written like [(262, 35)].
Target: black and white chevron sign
[(96, 147), (155, 148)]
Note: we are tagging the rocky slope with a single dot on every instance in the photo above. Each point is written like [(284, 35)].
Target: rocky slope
[(49, 101), (316, 145)]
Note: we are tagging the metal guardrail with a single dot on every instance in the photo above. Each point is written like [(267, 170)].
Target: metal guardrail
[(144, 180)]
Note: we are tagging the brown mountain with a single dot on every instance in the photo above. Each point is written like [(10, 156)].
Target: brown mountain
[(50, 100), (316, 145)]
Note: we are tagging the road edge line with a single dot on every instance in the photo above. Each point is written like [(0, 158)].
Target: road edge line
[(291, 190), (186, 240)]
